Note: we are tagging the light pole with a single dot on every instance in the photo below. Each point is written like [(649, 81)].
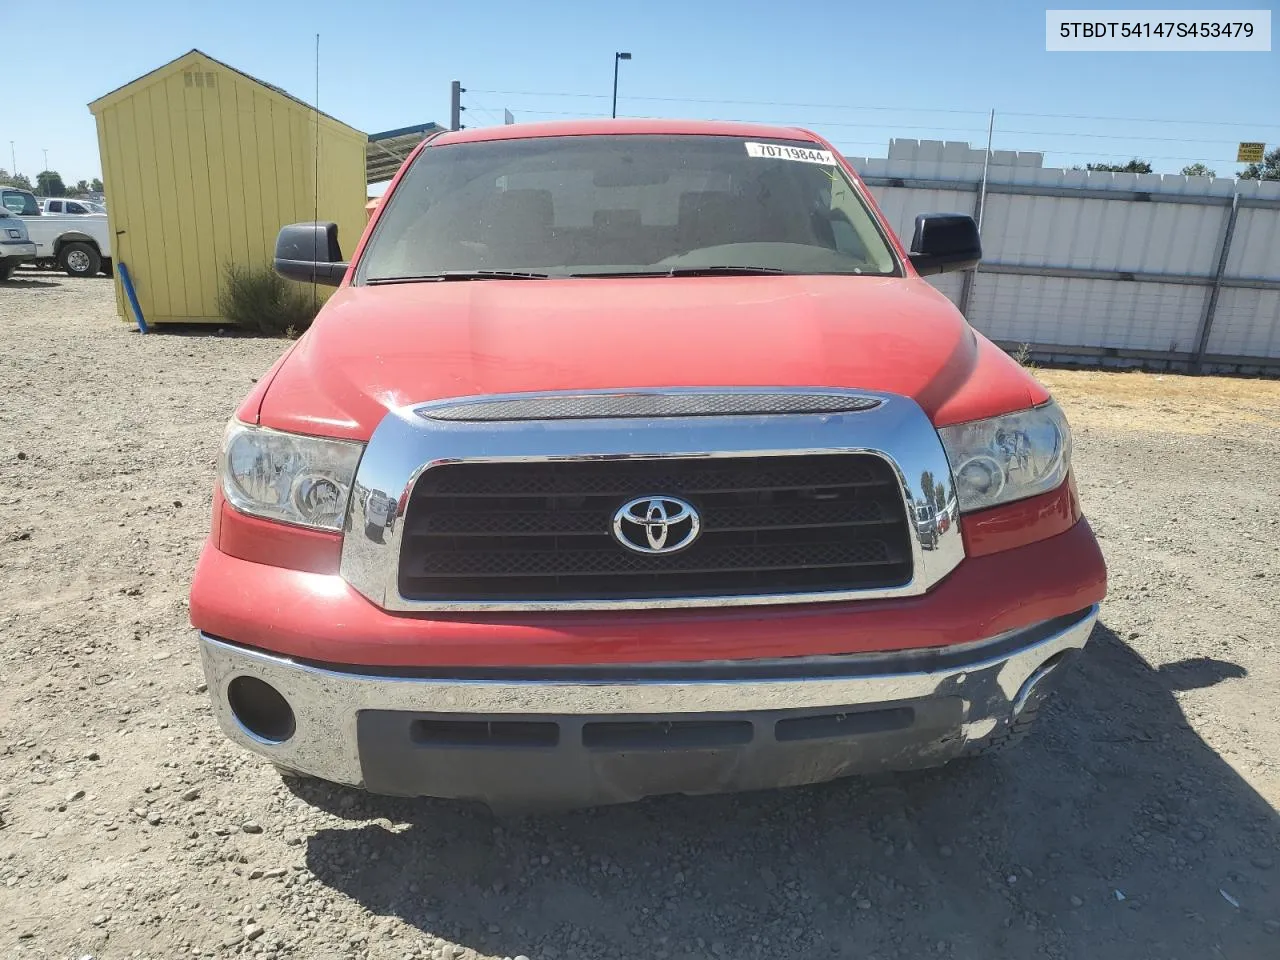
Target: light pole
[(13, 158), (46, 157), (616, 58)]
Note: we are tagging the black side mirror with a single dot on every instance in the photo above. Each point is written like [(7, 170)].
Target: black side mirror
[(944, 242), (309, 252)]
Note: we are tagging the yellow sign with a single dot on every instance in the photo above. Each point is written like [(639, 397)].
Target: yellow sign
[(1250, 152)]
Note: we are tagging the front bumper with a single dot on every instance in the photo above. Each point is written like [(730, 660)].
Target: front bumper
[(571, 736)]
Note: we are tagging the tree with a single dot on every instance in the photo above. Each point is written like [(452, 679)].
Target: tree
[(50, 184), (1269, 169), (19, 180), (927, 486), (1133, 166), (1198, 169), (95, 185), (79, 190)]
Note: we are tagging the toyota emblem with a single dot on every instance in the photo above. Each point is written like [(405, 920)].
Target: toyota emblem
[(656, 524)]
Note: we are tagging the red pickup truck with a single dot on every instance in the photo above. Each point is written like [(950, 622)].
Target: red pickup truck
[(634, 457)]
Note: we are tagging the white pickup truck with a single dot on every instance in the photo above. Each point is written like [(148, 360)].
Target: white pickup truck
[(80, 244)]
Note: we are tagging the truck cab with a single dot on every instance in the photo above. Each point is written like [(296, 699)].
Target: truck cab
[(59, 205)]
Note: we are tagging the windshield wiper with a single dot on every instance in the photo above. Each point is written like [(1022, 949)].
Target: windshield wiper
[(710, 271), (465, 275)]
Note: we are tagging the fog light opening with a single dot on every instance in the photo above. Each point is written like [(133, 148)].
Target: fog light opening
[(261, 710)]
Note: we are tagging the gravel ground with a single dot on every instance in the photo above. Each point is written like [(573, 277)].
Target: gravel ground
[(1139, 822)]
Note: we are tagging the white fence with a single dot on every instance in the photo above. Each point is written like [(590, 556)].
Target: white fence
[(1172, 271)]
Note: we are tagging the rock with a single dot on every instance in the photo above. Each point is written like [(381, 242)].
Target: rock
[(864, 904), (275, 872), (253, 931), (75, 795), (1262, 863), (154, 818), (191, 794), (255, 874), (251, 826), (1195, 836), (91, 755), (233, 940), (1272, 926), (1076, 901), (100, 919)]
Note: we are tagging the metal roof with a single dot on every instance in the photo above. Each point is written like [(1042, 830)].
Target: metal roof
[(387, 150)]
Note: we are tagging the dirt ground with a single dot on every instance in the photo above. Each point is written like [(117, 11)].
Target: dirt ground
[(1139, 822)]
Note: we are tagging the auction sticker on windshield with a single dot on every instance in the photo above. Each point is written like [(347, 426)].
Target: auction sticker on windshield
[(776, 151)]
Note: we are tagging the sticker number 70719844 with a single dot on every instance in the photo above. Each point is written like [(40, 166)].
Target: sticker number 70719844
[(774, 151)]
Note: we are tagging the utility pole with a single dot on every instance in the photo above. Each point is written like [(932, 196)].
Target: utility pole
[(46, 157), (617, 57), (979, 208), (13, 157), (456, 108)]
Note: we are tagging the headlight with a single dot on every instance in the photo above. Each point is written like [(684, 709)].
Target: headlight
[(288, 476), (1010, 457)]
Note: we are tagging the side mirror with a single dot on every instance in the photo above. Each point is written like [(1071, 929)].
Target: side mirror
[(944, 242), (309, 252)]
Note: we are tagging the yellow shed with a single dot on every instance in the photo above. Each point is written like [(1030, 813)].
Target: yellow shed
[(202, 165)]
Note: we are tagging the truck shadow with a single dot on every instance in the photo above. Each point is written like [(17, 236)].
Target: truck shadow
[(28, 281), (1114, 832)]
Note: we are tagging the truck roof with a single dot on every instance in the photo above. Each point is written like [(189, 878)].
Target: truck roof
[(579, 128)]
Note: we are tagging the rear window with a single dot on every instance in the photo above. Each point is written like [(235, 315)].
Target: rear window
[(590, 205), (23, 204)]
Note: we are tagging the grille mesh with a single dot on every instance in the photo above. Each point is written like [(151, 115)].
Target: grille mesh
[(541, 531)]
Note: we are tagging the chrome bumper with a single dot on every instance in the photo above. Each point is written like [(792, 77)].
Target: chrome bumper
[(987, 683), (17, 250)]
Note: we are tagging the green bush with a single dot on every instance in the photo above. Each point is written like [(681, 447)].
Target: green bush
[(261, 301)]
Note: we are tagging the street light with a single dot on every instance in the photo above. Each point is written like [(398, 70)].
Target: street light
[(616, 58)]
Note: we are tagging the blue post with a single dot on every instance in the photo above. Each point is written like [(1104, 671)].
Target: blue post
[(133, 297)]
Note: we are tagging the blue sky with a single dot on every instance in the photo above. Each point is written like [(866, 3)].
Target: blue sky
[(864, 72)]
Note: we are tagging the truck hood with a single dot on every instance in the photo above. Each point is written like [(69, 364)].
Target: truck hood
[(374, 348)]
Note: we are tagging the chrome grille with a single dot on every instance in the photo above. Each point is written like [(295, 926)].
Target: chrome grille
[(535, 531), (634, 404)]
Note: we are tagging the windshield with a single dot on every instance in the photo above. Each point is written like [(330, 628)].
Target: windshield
[(624, 205)]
